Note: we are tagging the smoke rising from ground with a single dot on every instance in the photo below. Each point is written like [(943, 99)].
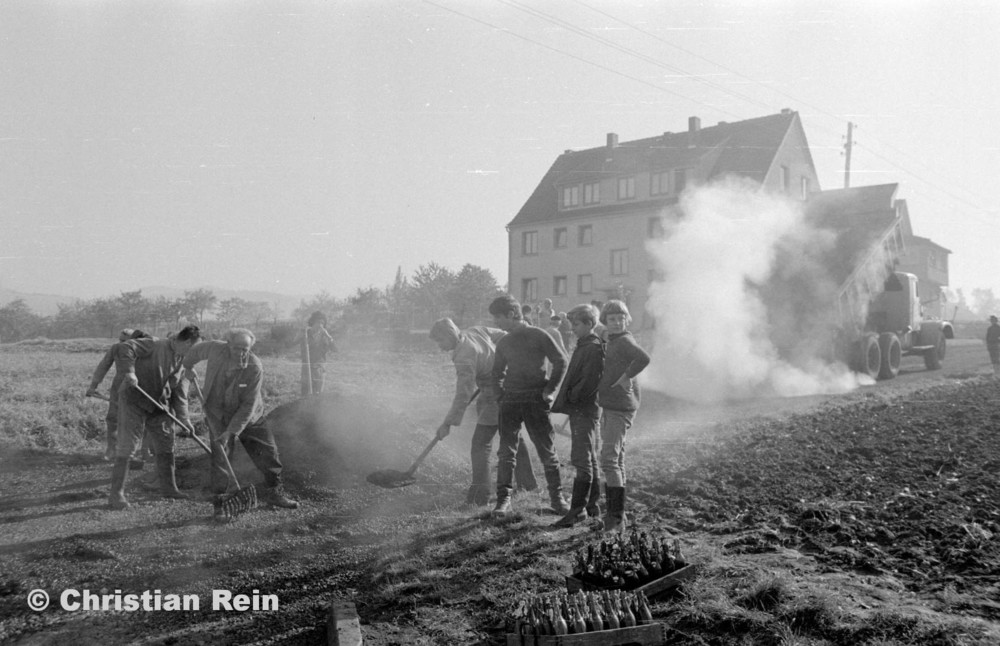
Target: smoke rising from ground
[(743, 307)]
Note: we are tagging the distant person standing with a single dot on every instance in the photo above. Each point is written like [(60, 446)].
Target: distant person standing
[(566, 331), (319, 342), (472, 352), (618, 395), (993, 345), (524, 393), (545, 312), (526, 315), (552, 328)]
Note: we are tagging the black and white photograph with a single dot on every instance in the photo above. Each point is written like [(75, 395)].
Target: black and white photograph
[(494, 322)]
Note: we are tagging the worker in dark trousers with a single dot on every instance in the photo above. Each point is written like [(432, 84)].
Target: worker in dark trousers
[(472, 353), (524, 394), (154, 365), (234, 408), (993, 345)]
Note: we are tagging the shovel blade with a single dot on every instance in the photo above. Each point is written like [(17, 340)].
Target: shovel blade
[(390, 479)]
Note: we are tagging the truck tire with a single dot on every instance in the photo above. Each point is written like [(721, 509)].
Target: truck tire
[(892, 353), (869, 357), (934, 356)]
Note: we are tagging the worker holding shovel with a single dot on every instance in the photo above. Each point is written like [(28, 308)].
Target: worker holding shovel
[(150, 368), (234, 408), (472, 353)]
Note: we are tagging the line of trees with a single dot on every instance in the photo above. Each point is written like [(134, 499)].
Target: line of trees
[(409, 303)]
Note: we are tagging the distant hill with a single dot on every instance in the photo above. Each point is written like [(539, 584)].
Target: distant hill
[(47, 304)]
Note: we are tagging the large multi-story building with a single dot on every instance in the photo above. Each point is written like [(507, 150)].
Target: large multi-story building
[(582, 234)]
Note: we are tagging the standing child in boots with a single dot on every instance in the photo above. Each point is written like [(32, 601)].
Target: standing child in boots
[(577, 398), (618, 395)]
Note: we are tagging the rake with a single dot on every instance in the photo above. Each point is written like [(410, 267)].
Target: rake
[(228, 505)]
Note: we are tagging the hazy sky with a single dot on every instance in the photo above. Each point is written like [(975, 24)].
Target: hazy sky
[(307, 146)]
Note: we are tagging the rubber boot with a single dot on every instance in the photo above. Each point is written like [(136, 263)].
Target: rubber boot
[(577, 507), (614, 522), (167, 473), (118, 472), (594, 499), (276, 495), (502, 508)]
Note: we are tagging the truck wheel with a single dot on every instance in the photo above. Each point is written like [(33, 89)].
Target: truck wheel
[(869, 359), (934, 356), (892, 354)]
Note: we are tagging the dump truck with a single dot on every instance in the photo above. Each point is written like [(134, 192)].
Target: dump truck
[(880, 315)]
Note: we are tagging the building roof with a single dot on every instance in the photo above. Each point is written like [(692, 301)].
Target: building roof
[(745, 148)]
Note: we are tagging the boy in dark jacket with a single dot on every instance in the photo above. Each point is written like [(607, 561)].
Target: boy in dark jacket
[(577, 398), (618, 395)]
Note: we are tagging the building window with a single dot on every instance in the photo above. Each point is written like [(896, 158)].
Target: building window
[(655, 227), (659, 183), (559, 239), (558, 286), (584, 284), (805, 188), (529, 290), (592, 193), (680, 180), (529, 243), (786, 179), (586, 237), (626, 188), (619, 262), (570, 196)]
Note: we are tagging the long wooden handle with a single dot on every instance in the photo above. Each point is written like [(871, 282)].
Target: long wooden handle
[(435, 441)]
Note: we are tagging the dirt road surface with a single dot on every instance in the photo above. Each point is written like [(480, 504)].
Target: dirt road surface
[(894, 518)]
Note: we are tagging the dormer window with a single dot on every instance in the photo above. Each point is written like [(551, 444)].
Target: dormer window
[(626, 188), (659, 183), (570, 196), (592, 193)]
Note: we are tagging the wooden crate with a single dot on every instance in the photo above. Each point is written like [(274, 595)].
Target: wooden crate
[(651, 589), (653, 634)]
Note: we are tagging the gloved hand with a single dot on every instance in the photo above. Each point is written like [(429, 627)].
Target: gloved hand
[(443, 431)]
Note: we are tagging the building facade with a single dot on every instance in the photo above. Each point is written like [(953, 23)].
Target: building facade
[(581, 236)]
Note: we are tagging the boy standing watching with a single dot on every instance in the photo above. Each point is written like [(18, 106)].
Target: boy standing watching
[(618, 395), (577, 398), (524, 394)]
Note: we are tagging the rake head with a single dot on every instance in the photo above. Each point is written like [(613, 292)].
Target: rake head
[(230, 505)]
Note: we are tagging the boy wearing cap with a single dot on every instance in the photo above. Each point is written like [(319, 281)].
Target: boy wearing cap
[(618, 395)]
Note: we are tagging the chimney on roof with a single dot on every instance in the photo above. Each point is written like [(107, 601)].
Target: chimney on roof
[(694, 126), (612, 140), (786, 111)]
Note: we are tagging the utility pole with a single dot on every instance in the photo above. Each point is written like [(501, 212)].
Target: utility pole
[(848, 144)]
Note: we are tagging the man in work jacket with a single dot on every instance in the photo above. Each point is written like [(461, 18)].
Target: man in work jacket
[(234, 409), (153, 365), (472, 353), (100, 372)]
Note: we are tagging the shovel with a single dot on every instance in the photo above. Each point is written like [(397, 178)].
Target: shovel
[(392, 479), (230, 504)]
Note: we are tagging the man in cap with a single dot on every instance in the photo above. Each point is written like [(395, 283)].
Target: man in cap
[(993, 345), (472, 353), (234, 408), (524, 391), (154, 366)]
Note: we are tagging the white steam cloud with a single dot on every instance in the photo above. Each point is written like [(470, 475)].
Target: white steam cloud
[(743, 308)]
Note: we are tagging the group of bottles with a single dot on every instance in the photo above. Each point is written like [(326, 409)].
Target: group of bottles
[(581, 612), (628, 562)]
